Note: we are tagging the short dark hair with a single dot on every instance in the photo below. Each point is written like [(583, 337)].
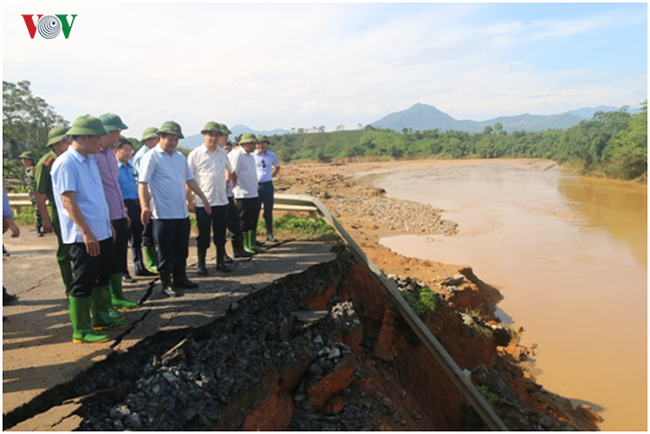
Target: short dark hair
[(120, 143)]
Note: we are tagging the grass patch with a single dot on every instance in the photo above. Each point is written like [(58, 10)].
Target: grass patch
[(489, 397), (302, 228)]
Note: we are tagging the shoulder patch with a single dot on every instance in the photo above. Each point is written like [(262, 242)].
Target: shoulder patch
[(48, 161)]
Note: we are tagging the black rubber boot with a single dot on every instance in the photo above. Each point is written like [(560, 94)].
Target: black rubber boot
[(238, 248), (181, 280), (269, 232), (167, 287), (201, 269)]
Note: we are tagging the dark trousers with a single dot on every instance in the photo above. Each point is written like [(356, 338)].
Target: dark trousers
[(172, 237), (147, 234), (265, 192), (121, 246), (135, 234), (218, 220), (63, 257), (90, 271), (234, 226), (247, 214)]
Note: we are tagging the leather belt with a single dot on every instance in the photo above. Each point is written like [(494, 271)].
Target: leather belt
[(265, 182)]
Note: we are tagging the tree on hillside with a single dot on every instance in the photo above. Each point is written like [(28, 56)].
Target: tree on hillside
[(26, 120), (627, 153)]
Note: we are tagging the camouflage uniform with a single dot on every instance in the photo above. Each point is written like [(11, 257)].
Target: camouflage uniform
[(30, 183)]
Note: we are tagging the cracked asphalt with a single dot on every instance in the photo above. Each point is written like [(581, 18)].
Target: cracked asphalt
[(38, 352)]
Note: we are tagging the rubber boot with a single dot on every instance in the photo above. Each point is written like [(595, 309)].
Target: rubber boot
[(201, 268), (167, 287), (181, 280), (151, 258), (247, 243), (252, 244), (82, 331), (221, 260), (104, 314), (238, 248), (269, 232), (117, 294)]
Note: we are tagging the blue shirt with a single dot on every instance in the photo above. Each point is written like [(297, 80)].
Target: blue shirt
[(126, 178), (72, 171), (137, 158), (166, 176), (6, 208), (264, 164)]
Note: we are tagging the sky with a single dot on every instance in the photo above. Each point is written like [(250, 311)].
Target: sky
[(301, 65)]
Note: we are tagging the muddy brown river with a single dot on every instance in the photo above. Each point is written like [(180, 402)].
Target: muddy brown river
[(569, 254)]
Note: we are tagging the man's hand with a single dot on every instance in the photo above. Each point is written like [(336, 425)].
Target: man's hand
[(92, 245), (145, 216), (191, 207), (206, 204), (128, 220), (47, 226)]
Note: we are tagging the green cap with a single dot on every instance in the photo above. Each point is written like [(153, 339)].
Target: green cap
[(224, 129), (171, 127), (87, 125), (248, 138), (112, 122), (28, 155), (56, 135), (263, 138), (211, 127), (149, 133)]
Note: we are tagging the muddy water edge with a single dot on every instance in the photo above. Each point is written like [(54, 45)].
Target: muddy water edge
[(569, 254)]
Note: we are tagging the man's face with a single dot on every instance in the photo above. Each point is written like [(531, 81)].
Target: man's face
[(248, 147), (227, 147), (169, 142), (90, 144), (124, 154), (223, 139), (151, 142), (211, 138), (261, 147), (62, 146), (26, 162), (111, 139)]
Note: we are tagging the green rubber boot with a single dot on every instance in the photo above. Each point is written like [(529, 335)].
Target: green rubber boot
[(117, 294), (247, 243), (252, 242), (82, 331), (151, 258), (105, 317)]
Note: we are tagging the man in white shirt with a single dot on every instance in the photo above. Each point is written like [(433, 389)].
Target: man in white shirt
[(163, 175), (245, 189), (210, 165), (268, 167)]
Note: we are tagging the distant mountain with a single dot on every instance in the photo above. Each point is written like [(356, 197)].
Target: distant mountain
[(195, 140), (588, 112), (425, 117)]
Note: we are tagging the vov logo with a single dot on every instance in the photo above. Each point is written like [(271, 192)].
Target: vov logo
[(49, 26)]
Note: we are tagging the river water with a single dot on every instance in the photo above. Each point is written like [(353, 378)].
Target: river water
[(568, 253)]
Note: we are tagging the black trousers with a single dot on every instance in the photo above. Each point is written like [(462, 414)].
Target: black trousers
[(172, 237), (121, 246), (90, 271), (247, 213), (234, 225), (218, 220), (135, 234), (266, 193)]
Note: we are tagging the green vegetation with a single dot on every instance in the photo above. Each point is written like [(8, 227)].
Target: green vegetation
[(421, 303), (303, 228), (489, 397)]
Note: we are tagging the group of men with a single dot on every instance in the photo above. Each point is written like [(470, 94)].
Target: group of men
[(104, 197)]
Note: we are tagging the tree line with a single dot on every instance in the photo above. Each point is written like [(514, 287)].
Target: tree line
[(612, 144)]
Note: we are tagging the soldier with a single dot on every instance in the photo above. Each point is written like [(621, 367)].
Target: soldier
[(163, 175), (210, 165), (28, 160), (57, 144), (149, 141), (108, 170), (245, 189), (268, 167), (86, 227)]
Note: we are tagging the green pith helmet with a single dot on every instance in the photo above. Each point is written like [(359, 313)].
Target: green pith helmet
[(56, 135), (29, 155), (149, 133), (171, 127), (87, 125), (211, 127), (224, 129), (112, 122), (248, 138), (263, 138)]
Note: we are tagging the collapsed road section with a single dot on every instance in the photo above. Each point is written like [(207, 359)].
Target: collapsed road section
[(321, 349)]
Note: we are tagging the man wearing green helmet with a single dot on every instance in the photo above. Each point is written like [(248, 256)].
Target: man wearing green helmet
[(86, 227), (28, 159), (164, 173), (57, 144), (149, 141)]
